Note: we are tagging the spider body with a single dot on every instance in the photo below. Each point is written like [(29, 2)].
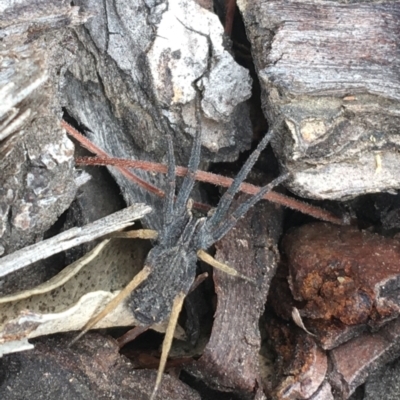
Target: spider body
[(172, 261), (157, 292), (173, 270)]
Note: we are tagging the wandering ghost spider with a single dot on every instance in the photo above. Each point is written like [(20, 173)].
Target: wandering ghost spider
[(157, 292)]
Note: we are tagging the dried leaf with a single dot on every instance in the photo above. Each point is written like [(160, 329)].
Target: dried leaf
[(298, 320), (67, 301)]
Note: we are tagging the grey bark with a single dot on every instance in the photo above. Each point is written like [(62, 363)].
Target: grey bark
[(331, 70), (37, 181), (137, 60)]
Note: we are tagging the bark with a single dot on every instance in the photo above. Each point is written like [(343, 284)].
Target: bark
[(230, 360), (136, 62), (37, 182), (330, 72)]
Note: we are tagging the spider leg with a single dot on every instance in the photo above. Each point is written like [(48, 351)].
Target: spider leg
[(226, 226), (227, 198), (137, 234), (169, 336), (177, 213), (132, 285), (204, 256), (194, 161), (171, 176)]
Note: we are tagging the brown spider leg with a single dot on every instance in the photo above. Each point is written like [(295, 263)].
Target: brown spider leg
[(204, 256), (167, 342), (132, 285)]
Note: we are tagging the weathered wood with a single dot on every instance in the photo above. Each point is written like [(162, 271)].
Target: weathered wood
[(331, 70), (37, 180), (230, 360), (179, 46), (73, 237)]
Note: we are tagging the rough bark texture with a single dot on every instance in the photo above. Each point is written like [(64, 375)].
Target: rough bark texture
[(92, 369), (330, 70), (353, 361), (37, 180), (177, 45), (300, 365), (230, 360)]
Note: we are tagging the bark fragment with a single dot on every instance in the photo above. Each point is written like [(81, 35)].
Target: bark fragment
[(331, 71), (37, 182), (355, 360), (300, 366), (109, 89), (91, 369), (230, 360)]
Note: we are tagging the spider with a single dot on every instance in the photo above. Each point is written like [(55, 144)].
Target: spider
[(157, 292)]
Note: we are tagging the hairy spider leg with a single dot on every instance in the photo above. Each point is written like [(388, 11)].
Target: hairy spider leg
[(171, 177), (193, 165), (227, 198), (177, 210), (216, 231), (241, 210)]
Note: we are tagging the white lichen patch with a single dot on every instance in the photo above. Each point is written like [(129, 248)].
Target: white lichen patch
[(189, 50)]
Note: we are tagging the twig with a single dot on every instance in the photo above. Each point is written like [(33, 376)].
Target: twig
[(87, 144), (71, 238), (203, 176), (218, 180)]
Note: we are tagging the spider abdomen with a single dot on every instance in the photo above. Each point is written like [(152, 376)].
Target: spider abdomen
[(173, 272)]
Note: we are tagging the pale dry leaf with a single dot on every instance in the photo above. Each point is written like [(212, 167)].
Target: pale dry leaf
[(71, 238), (67, 301)]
